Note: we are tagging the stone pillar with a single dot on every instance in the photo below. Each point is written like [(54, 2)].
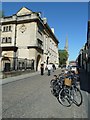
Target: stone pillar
[(1, 75)]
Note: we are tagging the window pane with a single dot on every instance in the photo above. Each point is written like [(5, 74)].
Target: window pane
[(9, 28), (6, 39), (3, 29), (9, 39), (3, 40)]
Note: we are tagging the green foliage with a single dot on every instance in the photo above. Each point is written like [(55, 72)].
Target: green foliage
[(63, 56), (1, 14)]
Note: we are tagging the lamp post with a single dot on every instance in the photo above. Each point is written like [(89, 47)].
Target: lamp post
[(47, 56)]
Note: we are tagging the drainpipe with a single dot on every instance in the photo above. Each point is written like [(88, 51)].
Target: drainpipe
[(0, 56), (14, 59), (1, 75)]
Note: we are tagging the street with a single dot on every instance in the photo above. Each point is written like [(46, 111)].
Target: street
[(32, 98)]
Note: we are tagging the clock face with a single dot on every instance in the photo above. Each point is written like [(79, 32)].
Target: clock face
[(23, 28)]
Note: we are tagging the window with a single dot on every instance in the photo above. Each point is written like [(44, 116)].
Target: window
[(9, 28), (40, 29), (40, 32), (3, 29), (6, 40), (39, 43), (3, 40), (6, 28), (9, 40), (0, 28)]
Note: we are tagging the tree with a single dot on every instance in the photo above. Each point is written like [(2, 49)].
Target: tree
[(1, 14), (63, 56)]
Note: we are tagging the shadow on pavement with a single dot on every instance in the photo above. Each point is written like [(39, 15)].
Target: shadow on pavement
[(84, 81)]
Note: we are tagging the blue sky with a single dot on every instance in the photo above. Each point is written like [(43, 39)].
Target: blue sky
[(69, 19)]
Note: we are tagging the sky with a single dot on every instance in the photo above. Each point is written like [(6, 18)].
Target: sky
[(69, 20)]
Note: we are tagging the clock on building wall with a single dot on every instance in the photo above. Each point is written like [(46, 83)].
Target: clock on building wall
[(22, 28)]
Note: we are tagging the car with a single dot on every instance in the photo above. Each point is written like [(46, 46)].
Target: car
[(63, 66), (74, 69)]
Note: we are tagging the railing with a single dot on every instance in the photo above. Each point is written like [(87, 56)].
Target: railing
[(16, 64), (10, 66)]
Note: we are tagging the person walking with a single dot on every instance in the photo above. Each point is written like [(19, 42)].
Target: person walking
[(49, 69), (53, 66), (42, 69)]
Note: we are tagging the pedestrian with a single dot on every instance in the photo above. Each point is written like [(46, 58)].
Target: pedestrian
[(42, 69), (78, 70), (49, 69), (53, 66)]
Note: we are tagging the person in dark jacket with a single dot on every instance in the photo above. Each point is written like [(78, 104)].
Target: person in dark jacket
[(53, 67), (42, 69)]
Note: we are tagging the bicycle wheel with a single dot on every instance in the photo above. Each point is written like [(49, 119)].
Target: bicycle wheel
[(64, 97), (52, 82), (77, 96)]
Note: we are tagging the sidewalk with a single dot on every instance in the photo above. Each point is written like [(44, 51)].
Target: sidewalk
[(85, 87), (85, 80), (19, 77)]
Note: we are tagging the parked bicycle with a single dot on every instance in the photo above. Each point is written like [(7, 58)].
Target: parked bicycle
[(64, 88)]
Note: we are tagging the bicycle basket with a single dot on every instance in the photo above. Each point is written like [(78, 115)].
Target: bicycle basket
[(67, 81)]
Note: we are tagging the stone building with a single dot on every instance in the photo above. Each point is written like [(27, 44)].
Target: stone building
[(88, 44), (28, 36), (84, 54)]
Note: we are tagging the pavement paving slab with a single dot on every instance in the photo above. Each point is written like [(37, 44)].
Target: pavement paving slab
[(30, 97)]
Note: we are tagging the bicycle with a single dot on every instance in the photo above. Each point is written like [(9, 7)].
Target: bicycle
[(70, 93)]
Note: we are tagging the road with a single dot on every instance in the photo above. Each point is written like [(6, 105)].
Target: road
[(32, 98)]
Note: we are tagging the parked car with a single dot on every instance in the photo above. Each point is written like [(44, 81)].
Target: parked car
[(74, 69), (63, 66)]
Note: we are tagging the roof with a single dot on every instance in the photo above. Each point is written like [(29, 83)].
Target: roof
[(23, 11)]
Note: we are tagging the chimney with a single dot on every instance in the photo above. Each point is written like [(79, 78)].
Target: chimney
[(44, 20), (52, 30)]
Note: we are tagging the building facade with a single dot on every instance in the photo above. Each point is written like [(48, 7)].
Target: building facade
[(27, 36), (84, 54), (88, 45)]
